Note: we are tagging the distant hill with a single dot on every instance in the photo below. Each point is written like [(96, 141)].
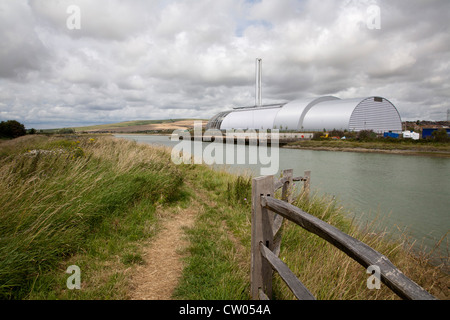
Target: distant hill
[(142, 126)]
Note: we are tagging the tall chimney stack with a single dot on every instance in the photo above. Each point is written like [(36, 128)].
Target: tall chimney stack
[(258, 97)]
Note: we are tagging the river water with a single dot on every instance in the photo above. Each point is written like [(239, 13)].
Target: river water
[(407, 193)]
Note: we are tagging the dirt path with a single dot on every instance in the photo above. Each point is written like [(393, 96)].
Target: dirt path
[(159, 275)]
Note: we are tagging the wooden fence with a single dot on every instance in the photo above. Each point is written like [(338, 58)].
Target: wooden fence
[(267, 218)]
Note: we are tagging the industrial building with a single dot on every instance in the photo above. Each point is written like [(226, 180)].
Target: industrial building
[(318, 114), (428, 132)]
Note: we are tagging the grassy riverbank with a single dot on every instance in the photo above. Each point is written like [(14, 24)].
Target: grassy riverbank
[(221, 241), (400, 146), (88, 202), (96, 202)]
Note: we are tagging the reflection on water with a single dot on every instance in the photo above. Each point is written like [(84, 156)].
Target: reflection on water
[(409, 193)]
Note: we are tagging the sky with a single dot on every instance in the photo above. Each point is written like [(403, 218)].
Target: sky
[(66, 63)]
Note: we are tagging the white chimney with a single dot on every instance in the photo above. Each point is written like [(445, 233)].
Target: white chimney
[(258, 97)]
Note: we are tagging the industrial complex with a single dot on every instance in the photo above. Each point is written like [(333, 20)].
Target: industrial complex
[(319, 114), (307, 115)]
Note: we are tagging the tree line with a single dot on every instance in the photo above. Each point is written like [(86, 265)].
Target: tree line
[(12, 129)]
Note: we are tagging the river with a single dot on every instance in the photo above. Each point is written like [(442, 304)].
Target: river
[(403, 192)]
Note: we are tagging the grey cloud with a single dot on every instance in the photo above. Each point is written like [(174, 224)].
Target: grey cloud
[(173, 59), (21, 49), (100, 19)]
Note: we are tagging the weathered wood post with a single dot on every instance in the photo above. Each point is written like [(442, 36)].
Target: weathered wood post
[(286, 195), (262, 224), (307, 183)]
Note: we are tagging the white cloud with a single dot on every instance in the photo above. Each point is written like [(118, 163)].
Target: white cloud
[(167, 59)]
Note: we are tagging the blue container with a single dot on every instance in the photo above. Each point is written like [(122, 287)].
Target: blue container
[(428, 132), (391, 135)]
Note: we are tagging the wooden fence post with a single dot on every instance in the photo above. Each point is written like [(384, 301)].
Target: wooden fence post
[(267, 218), (262, 224), (307, 183), (286, 193)]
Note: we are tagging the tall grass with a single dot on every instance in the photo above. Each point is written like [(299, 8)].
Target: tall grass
[(93, 202), (218, 264), (332, 275), (63, 196), (419, 146)]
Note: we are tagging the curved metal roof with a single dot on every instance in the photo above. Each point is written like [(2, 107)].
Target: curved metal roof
[(251, 118), (291, 116), (372, 113), (329, 115), (216, 121), (377, 114)]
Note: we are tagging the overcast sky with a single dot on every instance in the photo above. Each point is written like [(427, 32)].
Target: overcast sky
[(142, 59)]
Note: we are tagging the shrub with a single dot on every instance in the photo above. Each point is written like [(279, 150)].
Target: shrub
[(240, 191), (366, 135), (441, 135), (66, 131), (337, 133), (350, 134), (12, 129), (317, 135)]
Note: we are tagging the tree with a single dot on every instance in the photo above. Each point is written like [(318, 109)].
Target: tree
[(440, 135), (66, 131), (337, 133), (366, 135), (12, 129), (317, 135)]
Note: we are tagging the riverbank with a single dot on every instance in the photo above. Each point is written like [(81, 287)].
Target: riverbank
[(417, 148), (100, 203)]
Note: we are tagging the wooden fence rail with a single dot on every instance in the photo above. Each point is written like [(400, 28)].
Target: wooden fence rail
[(267, 218)]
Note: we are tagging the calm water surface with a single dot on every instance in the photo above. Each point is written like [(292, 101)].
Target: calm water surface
[(409, 193)]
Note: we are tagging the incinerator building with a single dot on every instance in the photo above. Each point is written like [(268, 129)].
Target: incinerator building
[(317, 114)]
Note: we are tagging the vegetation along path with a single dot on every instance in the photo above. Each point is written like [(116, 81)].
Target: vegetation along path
[(140, 227), (157, 278), (176, 257)]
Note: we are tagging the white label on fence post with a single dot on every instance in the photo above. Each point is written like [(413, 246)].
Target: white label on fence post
[(374, 281)]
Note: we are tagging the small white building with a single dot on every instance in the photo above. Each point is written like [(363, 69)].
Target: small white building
[(411, 135)]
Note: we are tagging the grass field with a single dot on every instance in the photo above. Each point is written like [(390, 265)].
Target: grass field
[(84, 202), (96, 202), (401, 146), (142, 125), (221, 240)]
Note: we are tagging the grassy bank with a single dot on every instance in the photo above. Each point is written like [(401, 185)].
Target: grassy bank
[(400, 146), (88, 202), (95, 202), (221, 240)]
